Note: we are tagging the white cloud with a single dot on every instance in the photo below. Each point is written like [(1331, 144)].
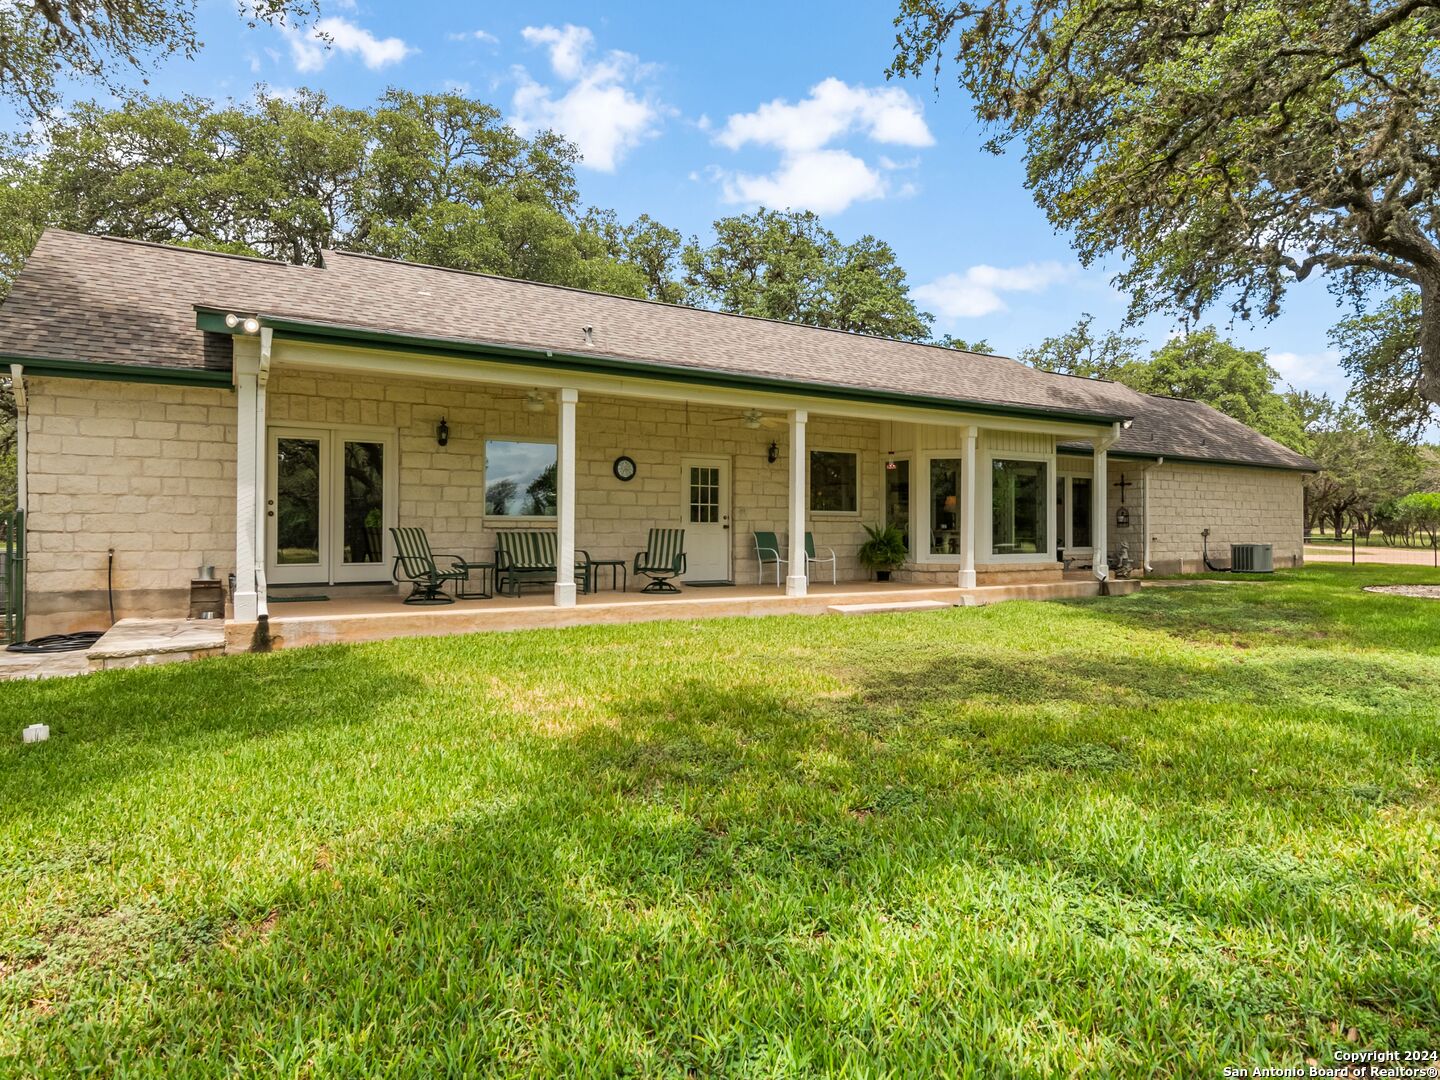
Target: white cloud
[(1318, 371), (834, 109), (600, 111), (978, 290), (311, 49), (482, 36), (812, 174), (825, 181)]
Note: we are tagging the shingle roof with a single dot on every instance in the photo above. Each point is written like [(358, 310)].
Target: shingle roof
[(1181, 428), (117, 301)]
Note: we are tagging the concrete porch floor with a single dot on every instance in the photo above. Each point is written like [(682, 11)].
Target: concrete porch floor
[(376, 618)]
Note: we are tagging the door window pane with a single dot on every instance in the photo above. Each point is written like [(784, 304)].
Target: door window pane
[(945, 506), (1021, 500), (833, 481), (520, 479), (1080, 495), (1061, 484), (364, 502), (297, 502), (897, 497), (704, 494)]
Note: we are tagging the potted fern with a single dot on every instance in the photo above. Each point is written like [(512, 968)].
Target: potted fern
[(884, 551)]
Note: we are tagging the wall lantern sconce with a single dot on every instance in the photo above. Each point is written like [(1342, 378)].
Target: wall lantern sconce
[(773, 454), (442, 433), (1122, 516)]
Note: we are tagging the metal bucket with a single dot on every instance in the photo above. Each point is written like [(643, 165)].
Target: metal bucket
[(207, 572)]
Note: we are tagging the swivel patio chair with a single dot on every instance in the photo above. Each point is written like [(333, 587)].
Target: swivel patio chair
[(415, 562), (662, 559)]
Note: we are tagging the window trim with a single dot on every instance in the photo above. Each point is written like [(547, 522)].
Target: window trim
[(809, 491), (519, 521), (985, 539)]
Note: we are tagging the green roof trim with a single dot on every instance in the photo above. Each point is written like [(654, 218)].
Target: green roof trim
[(112, 372), (318, 333)]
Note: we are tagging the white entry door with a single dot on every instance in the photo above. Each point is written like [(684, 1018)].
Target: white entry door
[(705, 517), (329, 505)]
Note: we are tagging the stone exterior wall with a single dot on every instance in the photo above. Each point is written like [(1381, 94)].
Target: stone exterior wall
[(442, 489), (144, 469), (149, 471), (1237, 504)]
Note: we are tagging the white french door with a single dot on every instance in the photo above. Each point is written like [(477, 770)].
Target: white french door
[(705, 517), (330, 504)]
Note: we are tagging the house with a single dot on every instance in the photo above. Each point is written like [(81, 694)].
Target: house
[(185, 409)]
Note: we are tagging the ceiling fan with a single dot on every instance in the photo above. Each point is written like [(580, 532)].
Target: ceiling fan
[(753, 419)]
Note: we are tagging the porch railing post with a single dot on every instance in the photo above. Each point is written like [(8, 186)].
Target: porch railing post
[(565, 509), (797, 580), (970, 488)]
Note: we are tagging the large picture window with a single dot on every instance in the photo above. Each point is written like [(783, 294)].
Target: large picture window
[(519, 479), (833, 482), (1021, 498)]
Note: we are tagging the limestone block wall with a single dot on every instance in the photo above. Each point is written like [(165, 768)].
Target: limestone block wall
[(442, 488), (144, 469), (1237, 504)]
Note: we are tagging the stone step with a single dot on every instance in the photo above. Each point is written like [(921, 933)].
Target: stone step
[(141, 642)]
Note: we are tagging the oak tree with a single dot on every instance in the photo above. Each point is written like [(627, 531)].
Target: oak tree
[(1225, 150)]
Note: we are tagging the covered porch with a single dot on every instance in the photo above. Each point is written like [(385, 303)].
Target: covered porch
[(404, 437)]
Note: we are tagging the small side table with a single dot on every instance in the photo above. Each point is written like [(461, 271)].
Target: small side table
[(486, 581), (615, 565)]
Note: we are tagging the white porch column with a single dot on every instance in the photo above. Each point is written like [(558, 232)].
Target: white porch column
[(565, 511), (1100, 509), (919, 497), (971, 508), (249, 487), (797, 580)]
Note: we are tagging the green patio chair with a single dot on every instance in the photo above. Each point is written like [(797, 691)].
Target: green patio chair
[(662, 559), (415, 562), (767, 550), (810, 558)]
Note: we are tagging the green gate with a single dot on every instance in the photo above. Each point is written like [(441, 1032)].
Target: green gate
[(12, 576)]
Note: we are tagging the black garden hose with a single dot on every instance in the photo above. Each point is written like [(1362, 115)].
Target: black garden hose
[(54, 643), (1205, 555)]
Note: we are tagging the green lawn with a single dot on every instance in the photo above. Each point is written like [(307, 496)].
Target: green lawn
[(1155, 834)]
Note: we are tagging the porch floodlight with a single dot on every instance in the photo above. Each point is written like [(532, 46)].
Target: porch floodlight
[(232, 320), (252, 325)]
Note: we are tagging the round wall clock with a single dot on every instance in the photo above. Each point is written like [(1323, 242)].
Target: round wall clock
[(624, 468)]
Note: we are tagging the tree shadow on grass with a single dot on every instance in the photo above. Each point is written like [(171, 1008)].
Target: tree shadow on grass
[(110, 727), (721, 879), (1325, 613)]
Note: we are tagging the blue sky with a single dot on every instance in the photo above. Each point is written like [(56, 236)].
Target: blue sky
[(689, 112)]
